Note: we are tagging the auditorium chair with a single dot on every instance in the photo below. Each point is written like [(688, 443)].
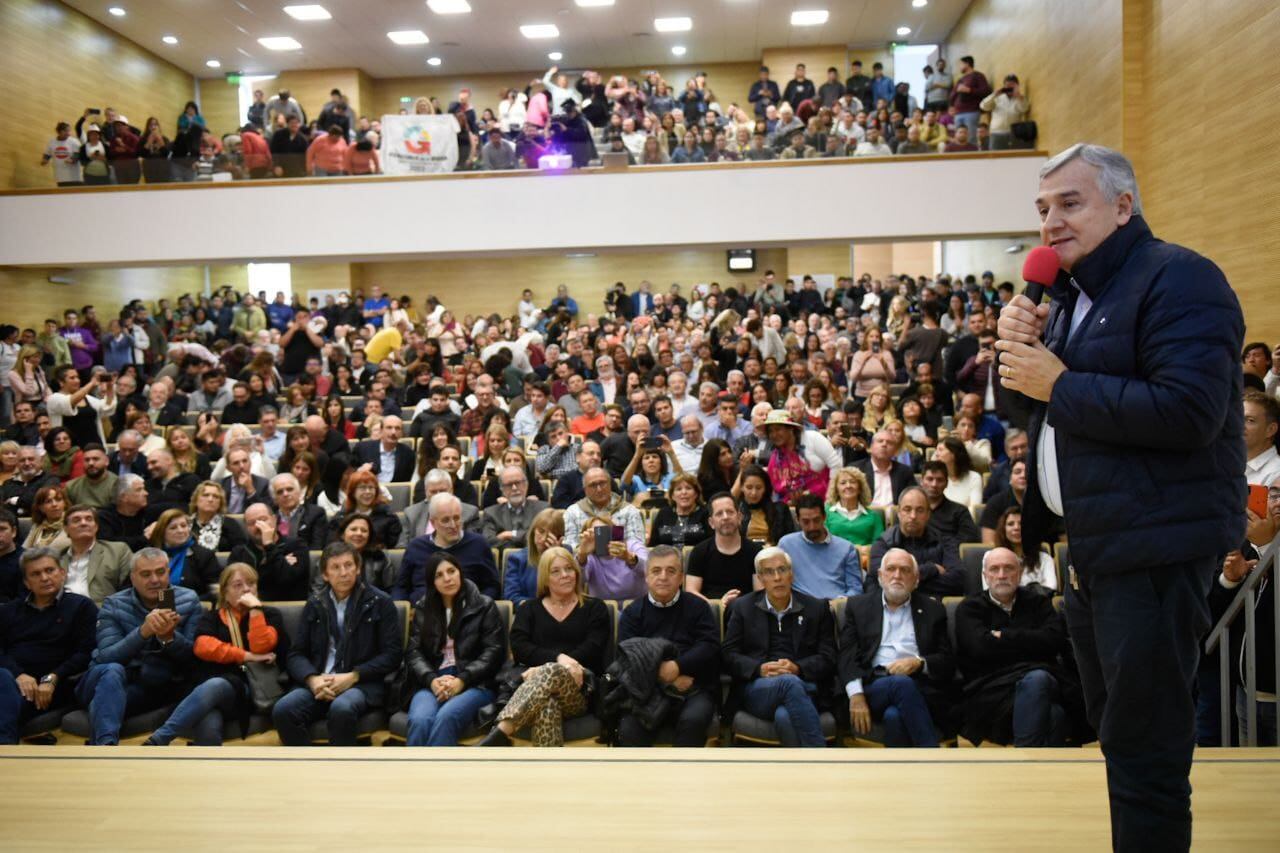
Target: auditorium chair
[(971, 554)]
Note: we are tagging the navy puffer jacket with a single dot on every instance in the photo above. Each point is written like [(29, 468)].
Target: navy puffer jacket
[(1148, 417)]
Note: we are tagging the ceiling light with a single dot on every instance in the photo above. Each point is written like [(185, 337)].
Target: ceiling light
[(449, 7), (433, 61), (213, 63), (117, 11), (408, 37), (170, 39), (586, 4), (555, 56), (310, 12), (678, 50), (539, 31), (904, 31), (279, 43), (809, 17), (919, 4), (672, 25)]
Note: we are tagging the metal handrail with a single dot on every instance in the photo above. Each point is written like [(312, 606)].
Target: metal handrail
[(1246, 600)]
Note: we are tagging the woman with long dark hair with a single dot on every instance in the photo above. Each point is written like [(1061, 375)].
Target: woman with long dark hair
[(763, 519)]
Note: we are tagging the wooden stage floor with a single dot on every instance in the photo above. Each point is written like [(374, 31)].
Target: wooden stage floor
[(256, 798)]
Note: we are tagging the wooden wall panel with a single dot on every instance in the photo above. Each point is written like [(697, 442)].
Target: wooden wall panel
[(56, 62), (834, 259), (311, 88), (1066, 53), (915, 257), (29, 297), (817, 59), (220, 106)]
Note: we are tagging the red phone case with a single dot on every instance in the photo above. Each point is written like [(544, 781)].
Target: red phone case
[(1258, 500)]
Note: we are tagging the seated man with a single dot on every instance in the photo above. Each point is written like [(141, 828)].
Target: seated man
[(127, 457), (937, 559), (1016, 444), (509, 521), (603, 512), (886, 476), (448, 534), (305, 522), (11, 583), (1010, 641), (417, 517), (386, 457), (895, 656), (823, 566), (127, 518), (692, 677), (19, 491), (169, 487), (947, 519), (723, 566), (282, 562), (569, 489), (98, 484), (95, 568), (350, 640), (241, 486), (144, 657), (46, 638), (779, 647)]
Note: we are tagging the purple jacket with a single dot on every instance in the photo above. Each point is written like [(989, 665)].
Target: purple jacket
[(81, 359)]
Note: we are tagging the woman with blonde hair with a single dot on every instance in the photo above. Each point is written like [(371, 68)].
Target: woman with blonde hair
[(27, 377), (190, 564), (520, 581), (8, 460), (559, 640), (185, 456), (848, 516), (239, 630), (878, 409)]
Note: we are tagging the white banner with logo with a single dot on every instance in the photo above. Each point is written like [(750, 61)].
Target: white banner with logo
[(419, 145)]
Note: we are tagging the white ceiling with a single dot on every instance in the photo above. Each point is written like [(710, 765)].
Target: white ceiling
[(489, 40)]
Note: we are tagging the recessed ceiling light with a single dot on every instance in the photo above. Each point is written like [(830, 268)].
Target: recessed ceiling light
[(449, 7), (555, 56), (809, 17), (279, 43), (311, 12), (117, 11), (408, 37), (586, 4), (433, 61), (919, 4), (213, 63), (539, 31), (904, 31), (672, 25), (678, 50), (170, 39)]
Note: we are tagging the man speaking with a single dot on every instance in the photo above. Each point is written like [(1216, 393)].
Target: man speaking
[(1137, 442)]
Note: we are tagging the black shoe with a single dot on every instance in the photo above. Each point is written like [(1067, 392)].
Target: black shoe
[(151, 742), (495, 737)]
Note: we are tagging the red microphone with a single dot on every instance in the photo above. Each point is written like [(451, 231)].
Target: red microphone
[(1039, 271)]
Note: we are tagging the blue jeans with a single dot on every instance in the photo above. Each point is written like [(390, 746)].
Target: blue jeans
[(298, 709), (1038, 719), (1266, 719), (969, 120), (201, 714), (14, 708), (896, 701), (433, 724), (105, 690), (785, 700)]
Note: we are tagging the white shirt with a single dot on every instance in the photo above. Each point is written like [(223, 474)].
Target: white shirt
[(78, 573), (897, 641), (1047, 445), (882, 488), (65, 154), (690, 457), (1263, 469)]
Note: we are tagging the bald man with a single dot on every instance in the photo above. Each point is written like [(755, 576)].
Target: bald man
[(386, 457)]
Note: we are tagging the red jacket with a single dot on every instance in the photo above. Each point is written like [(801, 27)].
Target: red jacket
[(256, 151)]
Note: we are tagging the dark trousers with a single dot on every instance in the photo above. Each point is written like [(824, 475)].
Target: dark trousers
[(1136, 637), (691, 718)]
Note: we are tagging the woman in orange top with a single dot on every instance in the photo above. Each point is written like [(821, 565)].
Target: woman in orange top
[(237, 631)]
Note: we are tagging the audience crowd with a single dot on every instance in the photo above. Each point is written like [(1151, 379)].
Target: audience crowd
[(647, 121), (776, 485)]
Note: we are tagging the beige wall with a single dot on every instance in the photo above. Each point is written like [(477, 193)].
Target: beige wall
[(30, 297), (916, 257), (1110, 72), (56, 62), (972, 257), (817, 59)]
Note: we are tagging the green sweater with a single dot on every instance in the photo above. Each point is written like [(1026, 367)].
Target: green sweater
[(863, 530)]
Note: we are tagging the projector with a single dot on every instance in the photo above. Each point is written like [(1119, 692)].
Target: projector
[(555, 161)]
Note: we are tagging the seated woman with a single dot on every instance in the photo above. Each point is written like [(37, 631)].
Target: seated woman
[(964, 485), (209, 523), (817, 403), (717, 469), (648, 471), (364, 497), (520, 581), (877, 409), (456, 646), (559, 640), (763, 518), (8, 461), (489, 465), (684, 520), (48, 512), (919, 429), (904, 450), (140, 422), (979, 448), (554, 415), (493, 489), (66, 461), (185, 456), (800, 460), (358, 532), (1041, 572), (239, 630), (334, 413), (295, 409), (190, 564), (307, 471), (847, 513)]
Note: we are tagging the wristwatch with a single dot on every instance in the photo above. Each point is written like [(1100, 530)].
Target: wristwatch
[(51, 678)]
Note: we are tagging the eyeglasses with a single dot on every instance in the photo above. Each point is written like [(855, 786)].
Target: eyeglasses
[(774, 571), (515, 484)]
